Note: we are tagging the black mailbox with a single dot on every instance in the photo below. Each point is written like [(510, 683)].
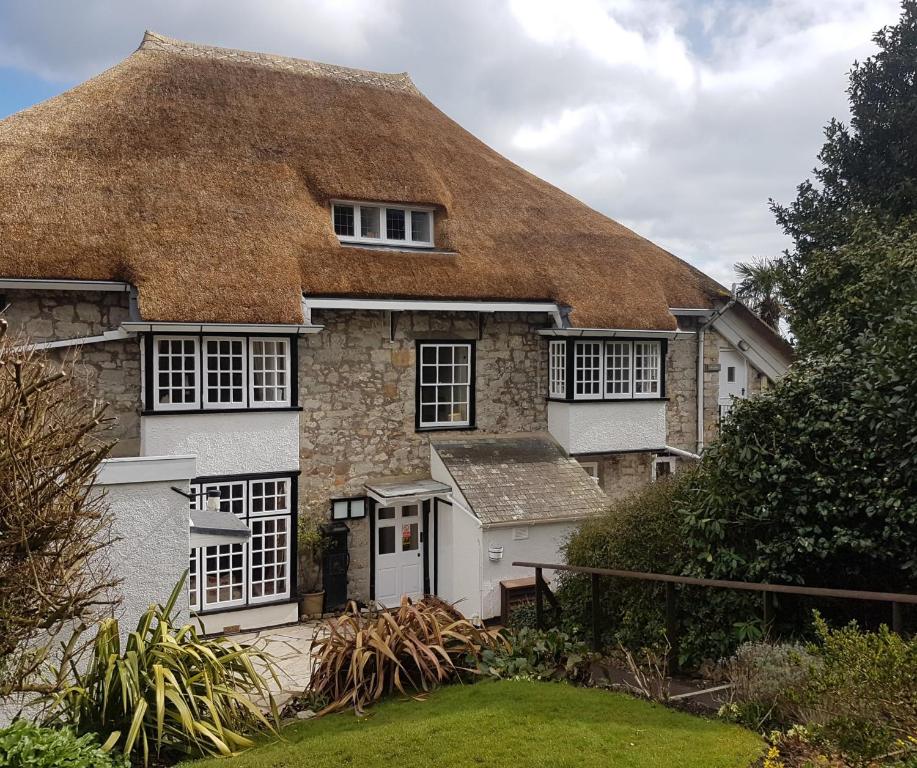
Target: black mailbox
[(335, 563)]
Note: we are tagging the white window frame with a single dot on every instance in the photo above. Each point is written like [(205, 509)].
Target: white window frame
[(263, 519), (195, 405), (599, 394), (421, 346), (409, 210), (609, 381), (198, 491), (194, 578), (253, 403), (205, 388), (219, 604), (250, 497), (592, 469), (670, 460), (658, 371), (557, 368)]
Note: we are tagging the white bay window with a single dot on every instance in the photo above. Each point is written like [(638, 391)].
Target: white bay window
[(606, 369)]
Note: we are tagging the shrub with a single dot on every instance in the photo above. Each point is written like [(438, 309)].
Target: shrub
[(523, 616), (25, 745), (766, 682), (538, 655), (863, 692), (361, 657), (168, 689)]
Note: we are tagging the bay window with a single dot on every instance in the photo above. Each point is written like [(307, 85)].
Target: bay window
[(606, 369), (201, 373), (259, 570), (382, 224)]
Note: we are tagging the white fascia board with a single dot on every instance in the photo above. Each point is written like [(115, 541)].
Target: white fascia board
[(692, 312), (536, 523), (750, 344), (147, 469), (607, 333), (29, 284), (432, 305), (116, 335), (277, 329)]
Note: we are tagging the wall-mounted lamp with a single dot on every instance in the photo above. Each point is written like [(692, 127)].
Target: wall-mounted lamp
[(212, 495)]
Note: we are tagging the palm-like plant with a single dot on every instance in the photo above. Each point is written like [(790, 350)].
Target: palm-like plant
[(168, 690), (759, 289)]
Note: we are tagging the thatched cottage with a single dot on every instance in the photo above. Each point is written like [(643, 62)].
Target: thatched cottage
[(334, 301)]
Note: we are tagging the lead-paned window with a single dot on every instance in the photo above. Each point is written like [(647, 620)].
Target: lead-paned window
[(617, 369), (646, 368), (224, 575), (383, 224), (175, 372), (269, 550), (270, 384), (588, 369), (557, 359), (444, 392)]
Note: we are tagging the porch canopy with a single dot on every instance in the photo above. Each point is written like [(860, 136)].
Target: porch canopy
[(405, 491), (211, 528)]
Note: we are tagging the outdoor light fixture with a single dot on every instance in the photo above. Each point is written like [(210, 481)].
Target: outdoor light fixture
[(212, 494)]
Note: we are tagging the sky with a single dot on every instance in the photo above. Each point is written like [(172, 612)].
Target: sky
[(678, 118)]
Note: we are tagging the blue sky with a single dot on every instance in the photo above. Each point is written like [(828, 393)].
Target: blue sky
[(679, 118)]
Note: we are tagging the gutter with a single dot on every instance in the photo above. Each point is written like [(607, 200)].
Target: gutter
[(682, 454)]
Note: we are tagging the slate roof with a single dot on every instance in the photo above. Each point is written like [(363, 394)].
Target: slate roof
[(521, 478)]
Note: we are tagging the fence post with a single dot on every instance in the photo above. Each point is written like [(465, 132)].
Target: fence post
[(539, 600), (897, 619), (595, 612), (671, 624)]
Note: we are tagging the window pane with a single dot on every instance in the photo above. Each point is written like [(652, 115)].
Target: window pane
[(617, 368), (358, 507), (557, 353), (420, 226), (339, 510), (369, 221), (224, 575), (386, 513), (588, 362), (269, 557), (343, 220), (410, 540), (387, 540), (224, 360), (269, 371), (646, 368), (394, 223), (445, 384), (176, 360)]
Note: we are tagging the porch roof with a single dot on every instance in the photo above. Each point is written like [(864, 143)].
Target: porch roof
[(224, 525), (524, 478), (384, 490)]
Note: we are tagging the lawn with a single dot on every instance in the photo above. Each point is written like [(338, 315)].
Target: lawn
[(517, 724)]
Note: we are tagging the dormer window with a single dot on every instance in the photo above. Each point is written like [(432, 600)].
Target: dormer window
[(383, 224)]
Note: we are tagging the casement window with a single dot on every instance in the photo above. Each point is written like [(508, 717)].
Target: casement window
[(219, 373), (557, 360), (445, 388), (606, 369), (592, 469), (256, 571), (663, 466), (383, 224), (587, 370)]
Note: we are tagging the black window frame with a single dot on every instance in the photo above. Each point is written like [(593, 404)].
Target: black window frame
[(349, 500), (419, 344), (570, 377), (151, 405)]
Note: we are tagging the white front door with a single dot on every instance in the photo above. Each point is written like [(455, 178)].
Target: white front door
[(733, 379), (399, 553)]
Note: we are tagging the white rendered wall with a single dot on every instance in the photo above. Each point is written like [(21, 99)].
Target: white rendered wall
[(536, 543), (605, 427), (226, 443), (248, 618)]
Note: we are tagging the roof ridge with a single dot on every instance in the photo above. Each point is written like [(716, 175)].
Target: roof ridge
[(400, 81)]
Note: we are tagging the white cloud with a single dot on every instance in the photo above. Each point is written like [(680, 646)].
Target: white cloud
[(679, 118)]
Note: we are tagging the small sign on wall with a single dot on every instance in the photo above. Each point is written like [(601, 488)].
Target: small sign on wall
[(520, 534)]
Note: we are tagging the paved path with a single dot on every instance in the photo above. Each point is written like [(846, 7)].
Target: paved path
[(290, 647)]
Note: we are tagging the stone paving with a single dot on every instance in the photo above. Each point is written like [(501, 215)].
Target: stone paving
[(289, 646)]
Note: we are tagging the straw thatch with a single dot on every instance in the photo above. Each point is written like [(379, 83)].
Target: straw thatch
[(202, 176)]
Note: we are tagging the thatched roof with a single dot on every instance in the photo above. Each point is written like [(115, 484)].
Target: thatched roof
[(202, 175)]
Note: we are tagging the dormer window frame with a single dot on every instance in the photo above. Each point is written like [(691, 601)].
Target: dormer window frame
[(408, 241)]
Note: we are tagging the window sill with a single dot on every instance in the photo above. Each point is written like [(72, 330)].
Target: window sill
[(463, 428), (248, 607), (428, 249), (199, 411)]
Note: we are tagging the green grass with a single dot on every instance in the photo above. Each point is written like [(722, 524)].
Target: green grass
[(513, 724)]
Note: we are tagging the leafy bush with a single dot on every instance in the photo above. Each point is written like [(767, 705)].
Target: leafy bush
[(766, 682), (25, 745), (168, 690), (361, 657), (523, 616), (537, 654)]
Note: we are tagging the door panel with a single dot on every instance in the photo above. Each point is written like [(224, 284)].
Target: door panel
[(399, 553)]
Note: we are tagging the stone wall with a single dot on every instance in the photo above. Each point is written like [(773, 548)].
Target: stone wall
[(623, 473), (110, 370), (357, 394)]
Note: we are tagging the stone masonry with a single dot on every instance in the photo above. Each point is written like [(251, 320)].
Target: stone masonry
[(111, 370), (357, 394)]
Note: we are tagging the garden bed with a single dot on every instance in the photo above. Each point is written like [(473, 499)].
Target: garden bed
[(521, 724)]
